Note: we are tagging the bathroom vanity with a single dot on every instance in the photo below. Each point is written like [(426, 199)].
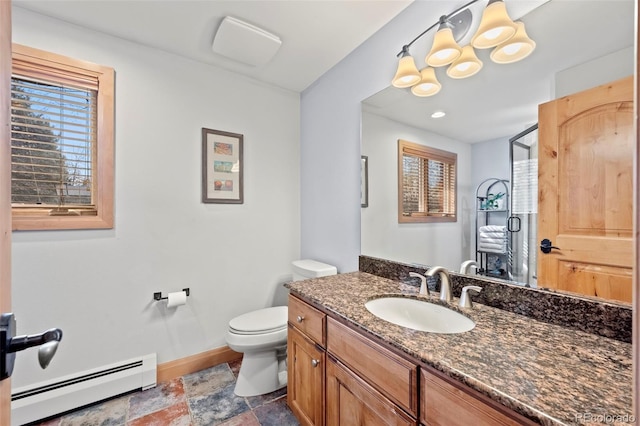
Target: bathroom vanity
[(346, 366)]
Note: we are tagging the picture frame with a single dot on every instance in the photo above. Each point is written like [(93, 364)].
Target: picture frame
[(364, 181), (222, 167)]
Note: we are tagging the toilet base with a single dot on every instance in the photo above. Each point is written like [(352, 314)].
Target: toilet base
[(261, 373)]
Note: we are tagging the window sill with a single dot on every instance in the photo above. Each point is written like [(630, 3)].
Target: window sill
[(32, 222)]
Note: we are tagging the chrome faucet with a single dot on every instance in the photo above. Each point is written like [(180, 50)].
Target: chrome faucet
[(466, 265), (424, 289), (465, 299), (445, 282)]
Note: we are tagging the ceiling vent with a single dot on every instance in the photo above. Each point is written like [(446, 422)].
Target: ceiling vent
[(245, 43)]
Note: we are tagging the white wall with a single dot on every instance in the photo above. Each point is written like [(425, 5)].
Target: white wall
[(97, 285), (446, 244), (330, 139), (602, 70), (490, 160)]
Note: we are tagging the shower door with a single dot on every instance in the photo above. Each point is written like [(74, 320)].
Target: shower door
[(523, 154)]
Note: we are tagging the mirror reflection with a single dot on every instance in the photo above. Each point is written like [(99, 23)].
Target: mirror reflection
[(489, 122)]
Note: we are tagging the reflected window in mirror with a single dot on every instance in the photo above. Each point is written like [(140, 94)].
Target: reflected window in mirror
[(426, 184)]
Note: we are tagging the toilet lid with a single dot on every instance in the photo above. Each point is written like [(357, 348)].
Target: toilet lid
[(260, 321)]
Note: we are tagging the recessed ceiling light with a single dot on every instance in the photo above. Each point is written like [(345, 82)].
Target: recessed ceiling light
[(438, 114)]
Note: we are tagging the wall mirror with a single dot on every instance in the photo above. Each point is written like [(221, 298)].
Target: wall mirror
[(483, 113)]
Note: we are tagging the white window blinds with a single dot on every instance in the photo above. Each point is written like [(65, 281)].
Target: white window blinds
[(53, 141), (428, 183)]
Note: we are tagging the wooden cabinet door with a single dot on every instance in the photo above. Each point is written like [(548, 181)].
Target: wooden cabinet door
[(305, 371), (586, 191), (351, 401)]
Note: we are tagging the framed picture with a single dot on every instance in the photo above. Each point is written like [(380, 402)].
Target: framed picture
[(364, 181), (221, 167)]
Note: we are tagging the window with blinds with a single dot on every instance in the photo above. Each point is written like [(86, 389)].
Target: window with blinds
[(53, 136), (426, 184), (61, 142)]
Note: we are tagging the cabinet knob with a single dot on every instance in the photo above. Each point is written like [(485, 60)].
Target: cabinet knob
[(315, 362), (299, 318)]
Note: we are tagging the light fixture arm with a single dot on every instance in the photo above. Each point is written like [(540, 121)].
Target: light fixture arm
[(443, 20)]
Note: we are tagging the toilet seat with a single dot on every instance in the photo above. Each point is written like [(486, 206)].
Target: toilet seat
[(262, 321)]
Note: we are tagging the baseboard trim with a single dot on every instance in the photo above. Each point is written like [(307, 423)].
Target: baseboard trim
[(179, 367)]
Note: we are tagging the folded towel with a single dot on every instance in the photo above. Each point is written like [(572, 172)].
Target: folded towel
[(492, 249), (493, 234), (492, 239), (497, 246), (493, 228), (491, 244)]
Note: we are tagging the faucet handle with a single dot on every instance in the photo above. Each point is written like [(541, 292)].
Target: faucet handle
[(465, 299), (424, 289)]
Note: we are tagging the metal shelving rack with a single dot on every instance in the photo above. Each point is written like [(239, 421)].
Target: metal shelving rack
[(492, 263)]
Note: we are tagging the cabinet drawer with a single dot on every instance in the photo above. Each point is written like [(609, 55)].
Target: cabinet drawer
[(307, 319), (446, 404), (392, 375)]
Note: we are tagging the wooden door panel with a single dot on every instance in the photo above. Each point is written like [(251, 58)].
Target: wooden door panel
[(595, 186), (603, 250), (604, 281), (585, 196)]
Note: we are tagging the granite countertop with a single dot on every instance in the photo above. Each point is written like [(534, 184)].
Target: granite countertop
[(551, 374)]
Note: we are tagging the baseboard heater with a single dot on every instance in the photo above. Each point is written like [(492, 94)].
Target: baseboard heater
[(46, 399)]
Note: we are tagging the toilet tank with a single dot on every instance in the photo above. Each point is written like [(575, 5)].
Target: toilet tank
[(307, 268)]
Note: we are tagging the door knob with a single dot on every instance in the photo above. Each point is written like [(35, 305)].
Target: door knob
[(10, 344), (546, 245)]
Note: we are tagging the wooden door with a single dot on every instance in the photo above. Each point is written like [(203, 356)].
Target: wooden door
[(305, 388), (585, 193), (5, 187), (352, 401)]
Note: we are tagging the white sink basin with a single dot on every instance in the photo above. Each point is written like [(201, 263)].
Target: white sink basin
[(419, 315)]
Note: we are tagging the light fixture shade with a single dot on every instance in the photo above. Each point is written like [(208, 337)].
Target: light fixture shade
[(495, 27), (428, 85), (407, 74), (516, 48), (445, 49), (466, 65)]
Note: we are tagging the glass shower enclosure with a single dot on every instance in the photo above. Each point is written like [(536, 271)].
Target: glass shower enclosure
[(523, 156)]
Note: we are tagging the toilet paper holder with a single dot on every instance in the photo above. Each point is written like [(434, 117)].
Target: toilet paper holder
[(158, 295)]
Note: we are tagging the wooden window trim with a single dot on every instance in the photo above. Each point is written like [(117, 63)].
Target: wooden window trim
[(52, 67), (405, 147)]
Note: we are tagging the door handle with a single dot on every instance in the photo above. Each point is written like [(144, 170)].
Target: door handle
[(513, 224), (546, 245), (10, 344)]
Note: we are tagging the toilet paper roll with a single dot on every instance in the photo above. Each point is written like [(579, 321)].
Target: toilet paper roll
[(176, 299)]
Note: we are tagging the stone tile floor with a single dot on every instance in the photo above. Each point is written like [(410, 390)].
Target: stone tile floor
[(202, 398)]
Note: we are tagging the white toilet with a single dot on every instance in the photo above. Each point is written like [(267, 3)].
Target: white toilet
[(262, 337)]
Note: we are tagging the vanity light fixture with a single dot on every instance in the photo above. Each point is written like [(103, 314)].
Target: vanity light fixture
[(445, 49), (495, 26), (466, 65), (514, 49), (428, 84), (407, 74), (496, 30)]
